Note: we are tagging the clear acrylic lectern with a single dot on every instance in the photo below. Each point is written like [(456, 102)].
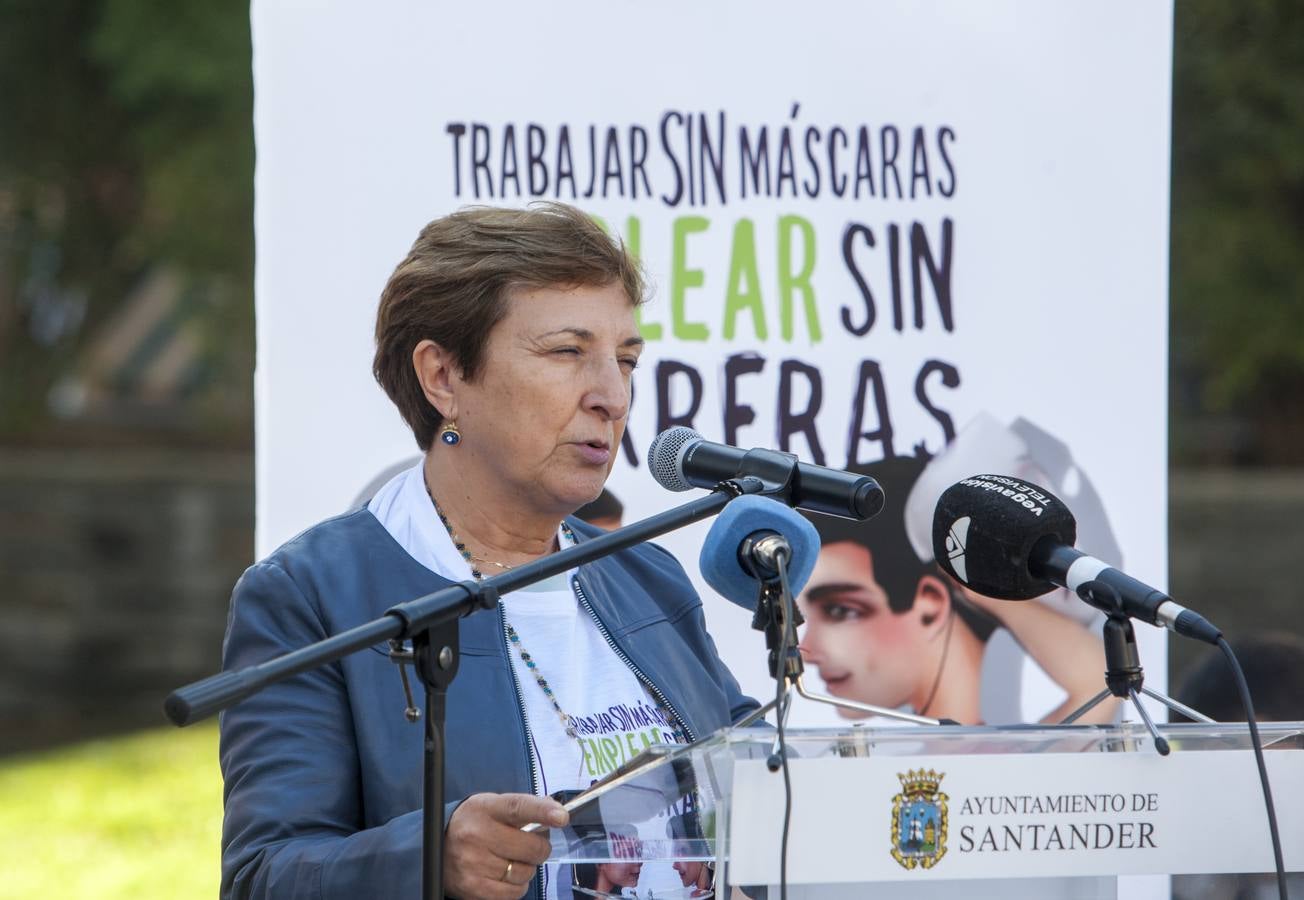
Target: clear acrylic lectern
[(1041, 812)]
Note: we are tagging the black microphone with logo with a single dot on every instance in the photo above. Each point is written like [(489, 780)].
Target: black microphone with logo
[(680, 459), (1005, 538), (1008, 539)]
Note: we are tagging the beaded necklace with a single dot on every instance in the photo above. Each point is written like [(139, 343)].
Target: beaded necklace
[(515, 639), (512, 636)]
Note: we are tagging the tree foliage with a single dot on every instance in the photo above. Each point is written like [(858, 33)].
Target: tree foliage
[(128, 144), (1238, 219)]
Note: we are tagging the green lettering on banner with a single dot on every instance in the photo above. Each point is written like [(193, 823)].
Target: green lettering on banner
[(588, 758), (743, 291), (682, 278), (651, 331), (790, 281)]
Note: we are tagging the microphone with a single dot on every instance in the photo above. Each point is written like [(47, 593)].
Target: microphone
[(1005, 538), (744, 540), (681, 459)]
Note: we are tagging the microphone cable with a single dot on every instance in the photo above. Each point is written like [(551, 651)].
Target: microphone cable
[(1244, 689), (782, 699)]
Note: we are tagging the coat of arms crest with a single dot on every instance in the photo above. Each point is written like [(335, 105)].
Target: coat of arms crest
[(919, 819)]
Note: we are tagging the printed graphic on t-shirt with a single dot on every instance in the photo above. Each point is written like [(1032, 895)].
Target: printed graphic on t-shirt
[(613, 737)]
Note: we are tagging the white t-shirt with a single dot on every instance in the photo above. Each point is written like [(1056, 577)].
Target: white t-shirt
[(615, 716)]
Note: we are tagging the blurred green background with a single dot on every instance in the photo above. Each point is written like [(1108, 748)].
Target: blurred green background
[(126, 414)]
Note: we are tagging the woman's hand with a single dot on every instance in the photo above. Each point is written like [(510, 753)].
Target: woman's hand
[(484, 835)]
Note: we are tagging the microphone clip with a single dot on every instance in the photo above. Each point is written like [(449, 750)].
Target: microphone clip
[(767, 473), (1124, 677), (778, 471)]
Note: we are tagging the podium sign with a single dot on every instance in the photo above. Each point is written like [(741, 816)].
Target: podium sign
[(1029, 804), (1017, 813)]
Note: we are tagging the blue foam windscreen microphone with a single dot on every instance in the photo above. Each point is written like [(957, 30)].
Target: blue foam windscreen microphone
[(753, 516)]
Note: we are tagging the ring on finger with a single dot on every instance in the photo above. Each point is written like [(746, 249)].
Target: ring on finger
[(507, 873)]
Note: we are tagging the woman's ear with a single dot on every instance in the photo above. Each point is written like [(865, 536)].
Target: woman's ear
[(932, 602), (438, 376)]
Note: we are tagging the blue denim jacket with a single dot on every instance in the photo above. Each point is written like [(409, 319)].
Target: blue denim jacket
[(323, 773)]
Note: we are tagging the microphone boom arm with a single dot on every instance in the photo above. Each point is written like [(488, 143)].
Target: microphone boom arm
[(866, 707), (203, 698)]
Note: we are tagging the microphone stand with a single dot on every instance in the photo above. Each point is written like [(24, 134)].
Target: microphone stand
[(765, 555), (431, 623), (1124, 677), (776, 614), (869, 708)]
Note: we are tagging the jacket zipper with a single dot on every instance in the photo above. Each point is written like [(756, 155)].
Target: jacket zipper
[(638, 673), (535, 777)]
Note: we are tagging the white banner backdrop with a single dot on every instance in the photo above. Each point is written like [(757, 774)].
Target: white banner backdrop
[(867, 227)]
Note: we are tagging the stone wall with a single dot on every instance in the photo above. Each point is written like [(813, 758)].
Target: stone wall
[(115, 569)]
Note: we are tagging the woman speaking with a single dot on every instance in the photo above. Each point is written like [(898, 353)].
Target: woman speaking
[(507, 340)]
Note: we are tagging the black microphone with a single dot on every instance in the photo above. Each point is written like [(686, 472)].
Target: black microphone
[(681, 459), (1005, 538)]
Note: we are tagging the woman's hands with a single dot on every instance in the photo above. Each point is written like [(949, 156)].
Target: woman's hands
[(484, 835)]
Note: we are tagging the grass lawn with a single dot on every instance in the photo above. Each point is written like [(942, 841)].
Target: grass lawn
[(138, 816)]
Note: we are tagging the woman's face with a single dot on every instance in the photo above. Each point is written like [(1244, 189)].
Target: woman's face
[(546, 412), (864, 650)]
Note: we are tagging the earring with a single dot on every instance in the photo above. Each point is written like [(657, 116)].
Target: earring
[(450, 435)]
